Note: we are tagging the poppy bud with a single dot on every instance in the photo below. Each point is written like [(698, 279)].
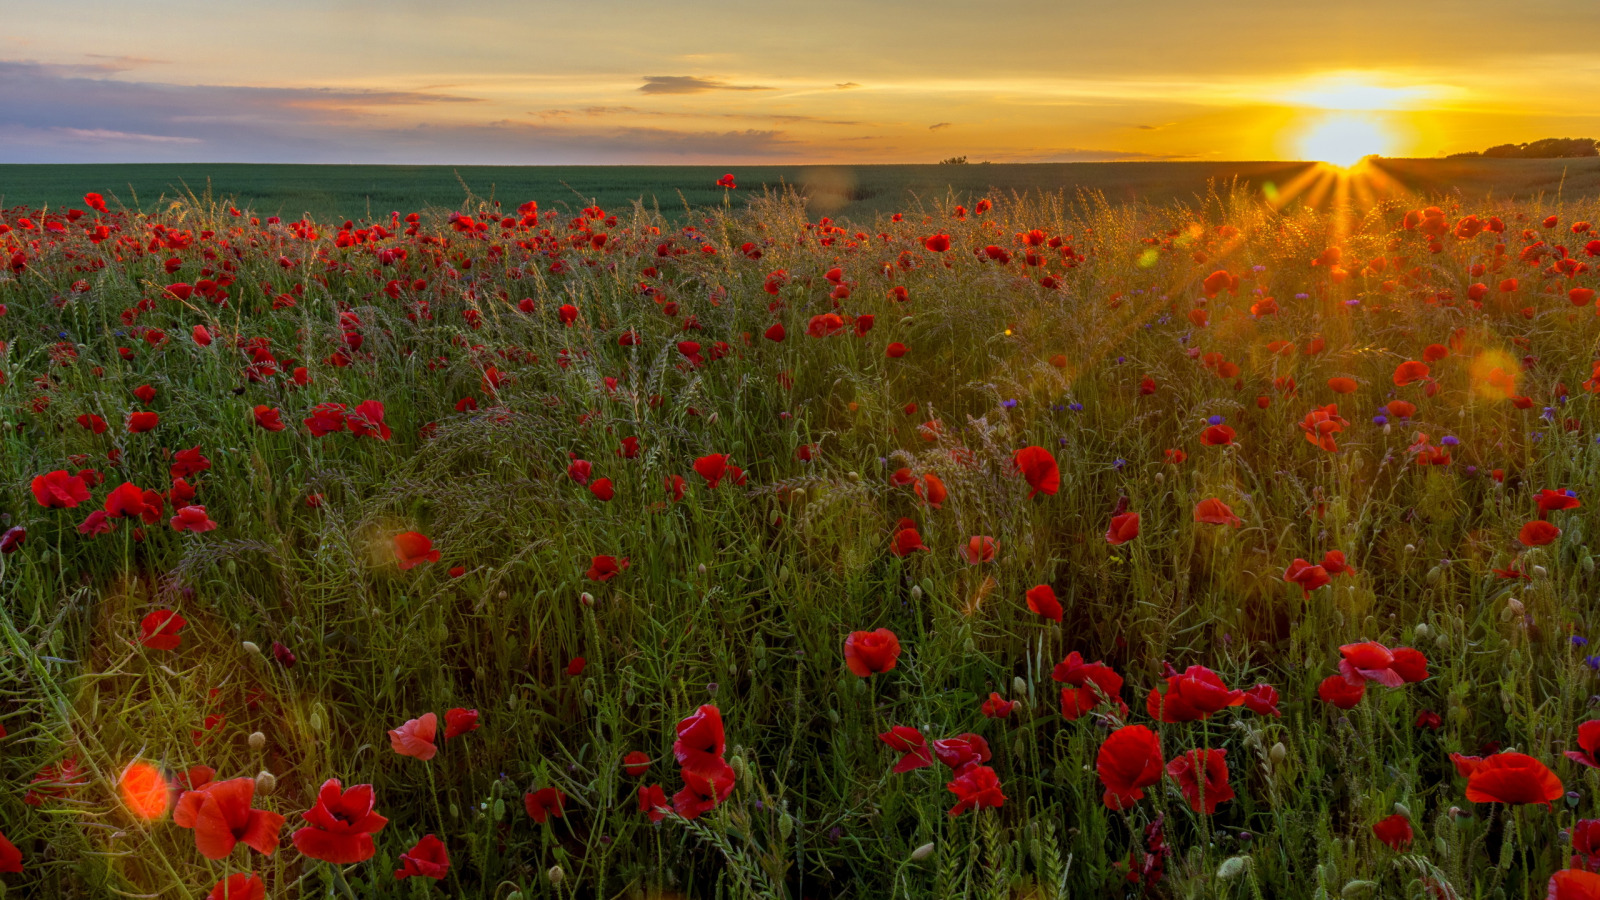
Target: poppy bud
[(265, 781), (1539, 571), (251, 648), (1354, 889), (922, 852), (785, 826), (588, 697), (798, 495), (916, 592), (1160, 478), (316, 719), (556, 875), (586, 598), (455, 811), (1401, 810), (1233, 867), (738, 767), (499, 809), (1411, 548), (1422, 630), (1515, 606), (1278, 753), (701, 569), (257, 741), (1433, 575), (712, 418), (1455, 812), (905, 320), (1019, 687), (501, 596)]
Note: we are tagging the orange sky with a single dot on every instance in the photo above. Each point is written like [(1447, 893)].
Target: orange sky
[(715, 81)]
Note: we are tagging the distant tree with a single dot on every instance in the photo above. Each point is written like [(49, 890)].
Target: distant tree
[(953, 161), (1548, 148)]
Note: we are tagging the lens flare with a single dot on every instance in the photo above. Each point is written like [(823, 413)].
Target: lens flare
[(144, 791)]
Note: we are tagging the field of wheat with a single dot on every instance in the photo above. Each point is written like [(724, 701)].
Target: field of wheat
[(1030, 549)]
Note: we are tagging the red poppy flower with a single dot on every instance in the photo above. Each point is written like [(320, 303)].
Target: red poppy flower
[(675, 486), (93, 423), (1042, 601), (1124, 528), (1217, 436), (930, 490), (653, 802), (1039, 467), (961, 751), (1321, 424), (268, 418), (1371, 661), (1513, 778), (192, 518), (325, 419), (239, 885), (579, 470), (159, 630), (127, 501), (911, 744), (605, 568), (415, 737), (905, 541), (895, 350), (1427, 718), (1176, 457), (10, 856), (1212, 511), (544, 804), (1333, 563), (776, 332), (140, 422), (1586, 845), (938, 243), (59, 490), (1192, 695), (1410, 371), (602, 490), (413, 549), (221, 816), (712, 468), (997, 708), (427, 858), (367, 420), (1589, 741), (977, 787), (188, 462), (1088, 685), (341, 825), (1128, 762), (576, 666), (825, 325), (460, 721), (1336, 690), (1401, 409), (870, 652), (703, 791), (1186, 770), (1549, 501), (636, 763), (701, 740), (1342, 385), (1263, 700), (978, 549), (1538, 533), (1308, 576), (1573, 884), (1394, 831)]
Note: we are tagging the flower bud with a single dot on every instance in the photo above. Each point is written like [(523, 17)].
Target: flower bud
[(556, 875), (251, 648), (1019, 687), (1233, 867), (586, 598), (257, 741), (265, 782), (1539, 571), (1516, 606), (922, 852), (1278, 753), (916, 592), (1402, 810), (1422, 630), (701, 569)]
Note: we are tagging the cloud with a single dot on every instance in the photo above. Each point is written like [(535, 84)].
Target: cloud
[(847, 85), (689, 84), (938, 126)]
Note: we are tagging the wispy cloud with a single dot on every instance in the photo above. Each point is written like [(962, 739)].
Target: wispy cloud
[(689, 84), (938, 126)]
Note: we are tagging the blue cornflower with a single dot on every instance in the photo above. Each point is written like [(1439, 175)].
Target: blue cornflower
[(1118, 463), (1009, 404), (1548, 414), (1214, 420), (1380, 420), (1075, 407), (1449, 440), (1579, 640)]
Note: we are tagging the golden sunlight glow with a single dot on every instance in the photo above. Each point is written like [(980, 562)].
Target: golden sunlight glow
[(1343, 139), (1346, 92)]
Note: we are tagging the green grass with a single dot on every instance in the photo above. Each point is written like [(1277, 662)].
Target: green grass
[(854, 192), (743, 596)]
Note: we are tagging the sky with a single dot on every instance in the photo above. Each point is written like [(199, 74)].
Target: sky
[(513, 82)]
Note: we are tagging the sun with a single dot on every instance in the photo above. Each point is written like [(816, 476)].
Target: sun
[(1344, 139)]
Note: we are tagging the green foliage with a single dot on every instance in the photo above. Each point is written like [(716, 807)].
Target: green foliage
[(743, 595)]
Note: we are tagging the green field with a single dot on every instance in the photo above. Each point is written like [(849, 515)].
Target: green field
[(851, 192)]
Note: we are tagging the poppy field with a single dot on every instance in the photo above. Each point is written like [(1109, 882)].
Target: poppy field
[(1030, 549)]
